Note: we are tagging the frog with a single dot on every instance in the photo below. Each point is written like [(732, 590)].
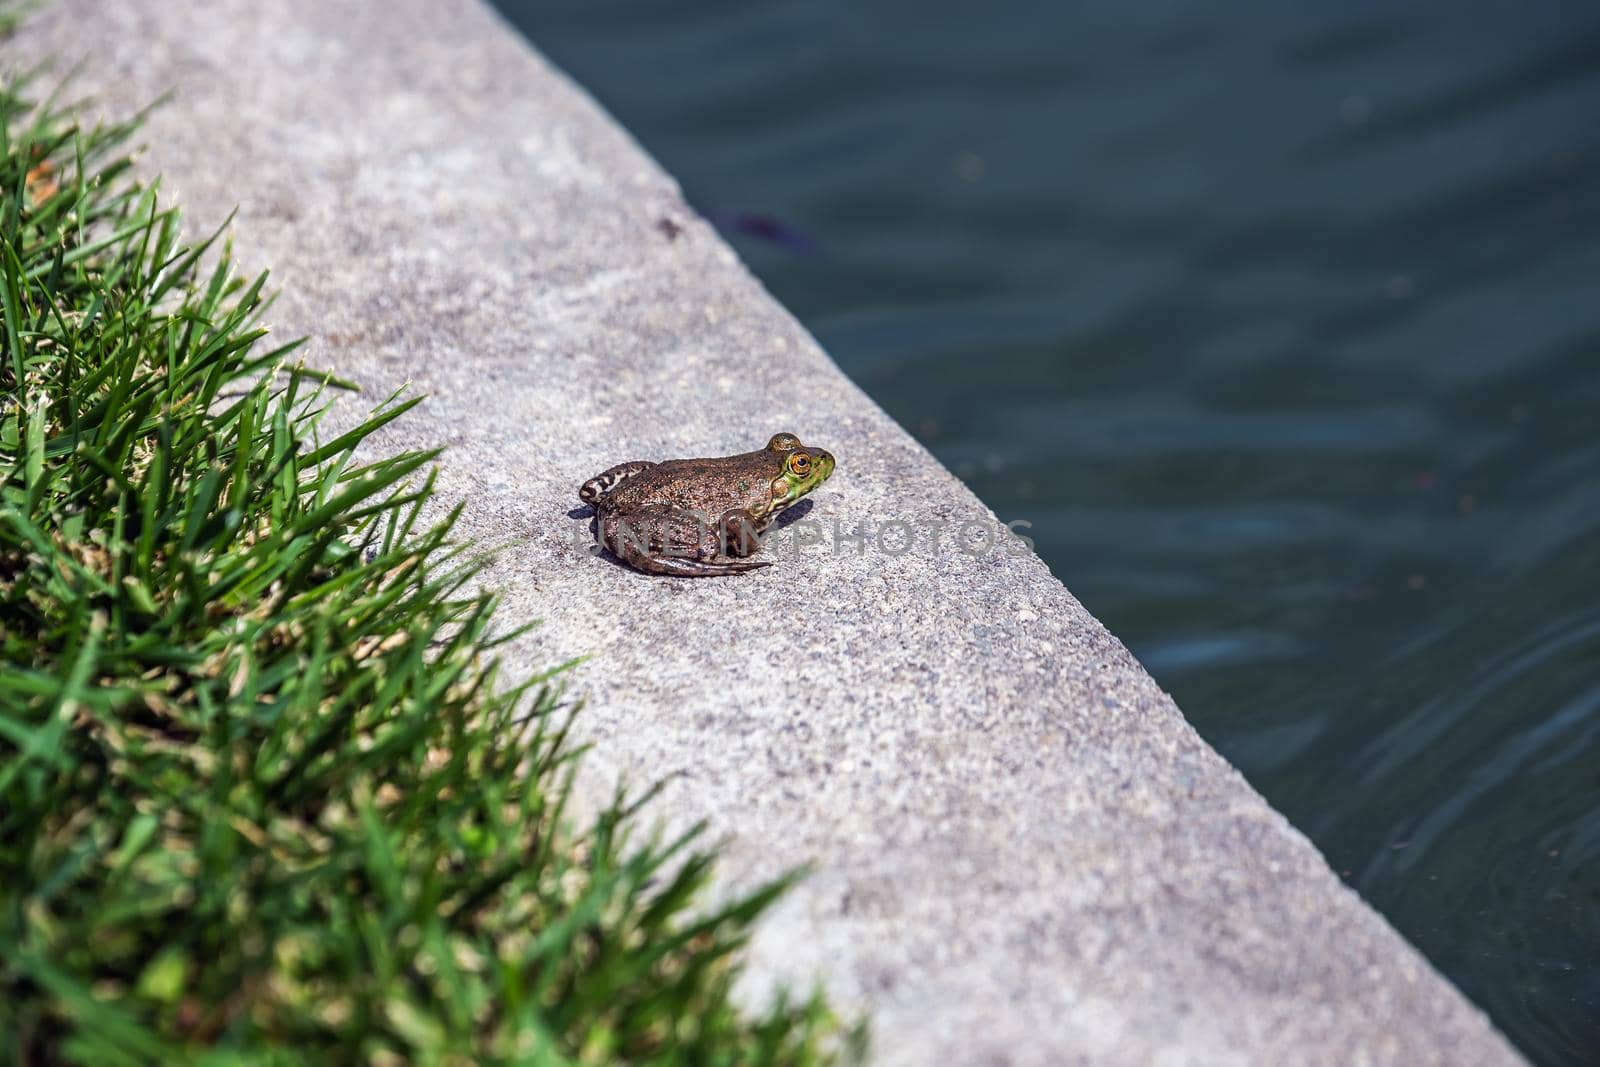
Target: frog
[(702, 518)]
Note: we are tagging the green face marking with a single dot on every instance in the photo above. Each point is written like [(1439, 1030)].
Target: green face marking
[(803, 470)]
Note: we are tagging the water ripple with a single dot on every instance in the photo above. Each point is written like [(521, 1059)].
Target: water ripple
[(1278, 322)]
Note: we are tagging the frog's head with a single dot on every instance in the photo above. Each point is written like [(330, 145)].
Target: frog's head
[(798, 469)]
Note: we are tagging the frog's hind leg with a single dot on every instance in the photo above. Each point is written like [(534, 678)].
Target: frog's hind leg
[(659, 539), (683, 567), (607, 480)]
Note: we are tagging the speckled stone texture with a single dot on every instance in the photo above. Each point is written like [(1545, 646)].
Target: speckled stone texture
[(1023, 853)]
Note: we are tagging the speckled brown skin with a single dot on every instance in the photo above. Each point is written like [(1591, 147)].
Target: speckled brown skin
[(700, 518)]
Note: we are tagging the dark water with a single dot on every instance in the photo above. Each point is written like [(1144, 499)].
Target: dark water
[(1282, 324)]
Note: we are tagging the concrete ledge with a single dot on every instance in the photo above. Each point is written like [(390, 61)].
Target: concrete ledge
[(1025, 854)]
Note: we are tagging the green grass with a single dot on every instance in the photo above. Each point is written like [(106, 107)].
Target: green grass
[(262, 796)]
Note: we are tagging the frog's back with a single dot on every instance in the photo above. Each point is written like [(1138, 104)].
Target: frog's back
[(698, 484)]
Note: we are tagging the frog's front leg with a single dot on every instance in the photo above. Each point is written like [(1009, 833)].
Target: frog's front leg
[(608, 479), (661, 539), (741, 532)]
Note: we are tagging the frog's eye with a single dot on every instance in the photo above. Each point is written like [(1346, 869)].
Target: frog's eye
[(783, 442), (800, 464)]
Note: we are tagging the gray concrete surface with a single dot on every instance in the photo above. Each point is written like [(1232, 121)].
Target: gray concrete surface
[(1025, 854)]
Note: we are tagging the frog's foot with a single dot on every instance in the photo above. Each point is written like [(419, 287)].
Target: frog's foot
[(608, 479), (683, 567)]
